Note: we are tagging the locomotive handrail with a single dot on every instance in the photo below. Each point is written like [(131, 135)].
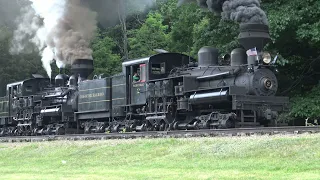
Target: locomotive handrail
[(219, 75), (214, 76), (60, 95)]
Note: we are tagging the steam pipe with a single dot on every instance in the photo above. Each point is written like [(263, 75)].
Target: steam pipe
[(213, 76), (219, 75), (61, 95)]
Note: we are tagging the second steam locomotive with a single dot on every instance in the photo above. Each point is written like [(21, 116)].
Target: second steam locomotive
[(167, 91)]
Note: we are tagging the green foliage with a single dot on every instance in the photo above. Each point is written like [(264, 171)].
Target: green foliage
[(180, 21), (150, 36), (286, 118), (211, 31), (286, 16), (307, 105), (105, 60), (294, 27)]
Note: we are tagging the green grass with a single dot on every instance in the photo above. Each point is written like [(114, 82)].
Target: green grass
[(274, 157)]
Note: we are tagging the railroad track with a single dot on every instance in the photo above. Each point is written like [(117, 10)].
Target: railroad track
[(172, 134)]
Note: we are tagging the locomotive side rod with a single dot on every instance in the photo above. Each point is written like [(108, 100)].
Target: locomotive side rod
[(168, 134)]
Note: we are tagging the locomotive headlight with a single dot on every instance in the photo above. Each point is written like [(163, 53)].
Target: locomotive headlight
[(266, 58)]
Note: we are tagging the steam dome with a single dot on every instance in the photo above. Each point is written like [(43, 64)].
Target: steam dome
[(208, 56), (238, 57)]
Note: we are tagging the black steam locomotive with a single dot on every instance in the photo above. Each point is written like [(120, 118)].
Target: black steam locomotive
[(172, 92)]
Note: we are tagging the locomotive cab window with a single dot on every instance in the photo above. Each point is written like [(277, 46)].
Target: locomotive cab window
[(143, 72), (14, 91), (139, 73), (19, 89), (158, 68), (5, 106), (29, 88)]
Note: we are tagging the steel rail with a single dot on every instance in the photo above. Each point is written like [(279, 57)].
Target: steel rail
[(172, 134)]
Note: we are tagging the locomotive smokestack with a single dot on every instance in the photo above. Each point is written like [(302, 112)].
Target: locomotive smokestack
[(82, 68), (254, 35)]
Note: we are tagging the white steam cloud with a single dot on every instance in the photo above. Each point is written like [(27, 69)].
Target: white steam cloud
[(61, 30)]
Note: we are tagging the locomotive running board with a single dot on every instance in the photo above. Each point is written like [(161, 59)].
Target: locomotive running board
[(247, 102)]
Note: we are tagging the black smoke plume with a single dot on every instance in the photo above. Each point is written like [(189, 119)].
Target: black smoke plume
[(241, 11)]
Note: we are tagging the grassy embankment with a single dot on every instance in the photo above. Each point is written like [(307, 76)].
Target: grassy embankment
[(275, 157)]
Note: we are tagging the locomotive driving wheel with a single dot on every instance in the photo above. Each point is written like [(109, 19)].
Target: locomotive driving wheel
[(60, 131), (226, 124), (168, 124), (150, 128), (163, 126), (226, 121)]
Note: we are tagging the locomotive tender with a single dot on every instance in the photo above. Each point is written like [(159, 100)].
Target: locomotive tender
[(172, 93)]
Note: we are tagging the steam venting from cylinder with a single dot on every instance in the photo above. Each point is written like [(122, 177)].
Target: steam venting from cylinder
[(241, 11)]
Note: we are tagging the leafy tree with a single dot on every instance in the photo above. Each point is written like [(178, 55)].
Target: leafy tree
[(211, 31), (180, 21), (295, 30), (307, 105), (105, 60), (192, 28), (151, 35)]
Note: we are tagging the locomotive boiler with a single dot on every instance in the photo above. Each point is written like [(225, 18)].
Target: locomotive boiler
[(240, 94), (173, 91)]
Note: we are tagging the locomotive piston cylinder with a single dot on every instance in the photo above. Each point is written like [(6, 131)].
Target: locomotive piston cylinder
[(209, 97), (180, 126), (156, 118), (51, 112)]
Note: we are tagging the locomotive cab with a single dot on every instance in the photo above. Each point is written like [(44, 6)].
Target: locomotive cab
[(136, 87), (150, 69)]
